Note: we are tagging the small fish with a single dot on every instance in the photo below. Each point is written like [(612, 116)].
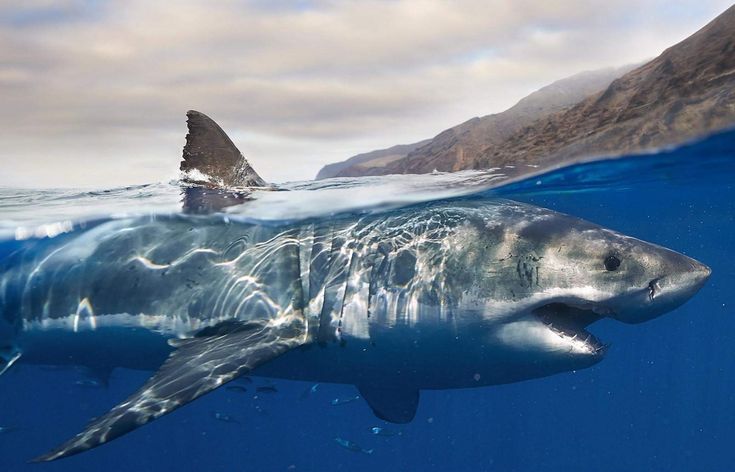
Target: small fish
[(267, 389), (223, 417), (354, 447), (342, 401), (244, 380), (236, 388), (309, 392), (88, 383), (8, 429), (378, 431)]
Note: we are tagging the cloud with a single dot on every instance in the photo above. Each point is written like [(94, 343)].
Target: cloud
[(105, 85)]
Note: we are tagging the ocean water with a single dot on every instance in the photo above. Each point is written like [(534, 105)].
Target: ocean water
[(662, 399)]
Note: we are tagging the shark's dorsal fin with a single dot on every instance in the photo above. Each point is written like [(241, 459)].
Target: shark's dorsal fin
[(198, 366), (211, 158), (396, 404)]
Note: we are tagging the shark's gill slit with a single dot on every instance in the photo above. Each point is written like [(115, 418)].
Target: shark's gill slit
[(653, 288)]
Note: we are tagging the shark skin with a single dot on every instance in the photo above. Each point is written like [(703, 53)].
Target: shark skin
[(442, 295)]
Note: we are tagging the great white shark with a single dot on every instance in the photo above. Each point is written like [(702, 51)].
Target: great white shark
[(453, 294)]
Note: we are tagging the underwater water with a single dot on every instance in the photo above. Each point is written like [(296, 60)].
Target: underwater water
[(662, 399)]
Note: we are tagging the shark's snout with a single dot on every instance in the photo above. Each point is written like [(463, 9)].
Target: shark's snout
[(696, 276), (678, 280), (701, 273), (682, 284)]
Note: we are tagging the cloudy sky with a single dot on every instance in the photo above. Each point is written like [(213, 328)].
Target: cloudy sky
[(93, 93)]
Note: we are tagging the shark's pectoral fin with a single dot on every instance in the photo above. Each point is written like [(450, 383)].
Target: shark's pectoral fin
[(394, 404), (200, 364)]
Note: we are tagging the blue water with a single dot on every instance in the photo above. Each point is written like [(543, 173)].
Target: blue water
[(663, 399)]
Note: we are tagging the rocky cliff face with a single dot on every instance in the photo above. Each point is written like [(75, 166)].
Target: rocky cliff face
[(687, 91), (459, 147)]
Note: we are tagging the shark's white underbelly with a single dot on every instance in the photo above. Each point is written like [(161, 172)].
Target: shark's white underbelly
[(426, 356)]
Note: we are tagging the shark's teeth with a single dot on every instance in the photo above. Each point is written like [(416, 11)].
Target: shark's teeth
[(590, 343), (568, 322)]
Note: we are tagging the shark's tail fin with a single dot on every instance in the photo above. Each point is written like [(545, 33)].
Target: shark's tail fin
[(211, 158)]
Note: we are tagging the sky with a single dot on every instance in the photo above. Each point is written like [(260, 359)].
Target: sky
[(93, 93)]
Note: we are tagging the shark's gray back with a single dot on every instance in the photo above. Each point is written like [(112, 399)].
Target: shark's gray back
[(179, 273), (175, 273)]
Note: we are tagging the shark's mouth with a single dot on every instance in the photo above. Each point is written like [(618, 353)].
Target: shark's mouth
[(568, 322)]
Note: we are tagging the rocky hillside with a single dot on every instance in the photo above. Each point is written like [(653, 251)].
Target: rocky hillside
[(458, 147), (687, 91)]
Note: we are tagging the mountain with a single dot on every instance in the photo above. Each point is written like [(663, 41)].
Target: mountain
[(459, 147), (362, 162), (687, 91)]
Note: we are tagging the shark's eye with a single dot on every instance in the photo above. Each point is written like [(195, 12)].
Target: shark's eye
[(612, 263)]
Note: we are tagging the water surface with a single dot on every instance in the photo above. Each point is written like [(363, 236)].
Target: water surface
[(661, 400)]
